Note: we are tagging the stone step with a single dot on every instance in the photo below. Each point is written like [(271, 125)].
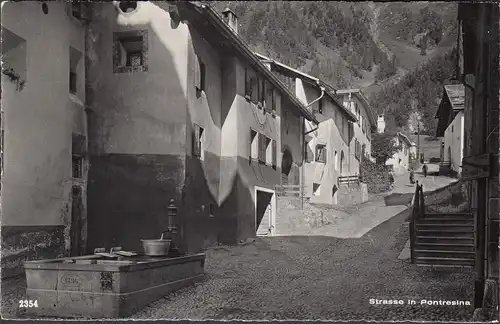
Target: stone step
[(444, 261), (445, 246), (445, 239), (447, 232), (448, 215), (444, 253), (438, 220)]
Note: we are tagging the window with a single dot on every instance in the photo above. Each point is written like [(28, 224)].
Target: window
[(200, 72), (336, 161), (77, 167), (264, 143), (248, 85), (320, 106), (254, 145), (130, 51), (72, 82), (316, 189), (262, 91), (321, 153), (274, 156), (198, 149)]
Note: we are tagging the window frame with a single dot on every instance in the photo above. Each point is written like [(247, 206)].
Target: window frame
[(318, 157), (119, 62)]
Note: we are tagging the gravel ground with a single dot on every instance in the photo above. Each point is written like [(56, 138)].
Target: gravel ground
[(318, 277)]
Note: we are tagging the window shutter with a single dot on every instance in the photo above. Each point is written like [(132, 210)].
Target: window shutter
[(324, 154), (275, 153), (196, 141), (197, 73)]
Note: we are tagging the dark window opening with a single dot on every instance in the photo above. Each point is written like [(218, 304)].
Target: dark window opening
[(72, 82), (130, 50), (77, 170), (197, 141)]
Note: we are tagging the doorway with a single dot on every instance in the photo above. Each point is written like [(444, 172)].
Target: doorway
[(265, 212), (76, 220)]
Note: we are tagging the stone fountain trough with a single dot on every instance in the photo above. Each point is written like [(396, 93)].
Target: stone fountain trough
[(95, 287)]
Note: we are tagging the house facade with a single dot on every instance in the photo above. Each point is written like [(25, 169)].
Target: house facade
[(450, 116), (44, 130), (478, 69), (327, 145), (360, 145), (400, 162), (173, 105)]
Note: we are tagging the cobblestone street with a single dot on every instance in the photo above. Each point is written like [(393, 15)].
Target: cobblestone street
[(321, 277)]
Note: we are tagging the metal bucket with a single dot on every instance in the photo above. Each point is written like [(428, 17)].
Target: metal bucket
[(159, 247)]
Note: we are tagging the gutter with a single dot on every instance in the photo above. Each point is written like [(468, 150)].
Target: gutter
[(243, 47)]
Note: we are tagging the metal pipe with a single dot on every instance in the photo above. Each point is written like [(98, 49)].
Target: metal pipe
[(310, 104)]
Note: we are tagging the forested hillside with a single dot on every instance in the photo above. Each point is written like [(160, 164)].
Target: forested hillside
[(373, 46)]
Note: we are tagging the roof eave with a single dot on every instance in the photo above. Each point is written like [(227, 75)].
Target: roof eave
[(243, 49)]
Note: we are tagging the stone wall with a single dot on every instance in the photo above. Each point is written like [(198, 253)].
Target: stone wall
[(351, 194), (22, 243)]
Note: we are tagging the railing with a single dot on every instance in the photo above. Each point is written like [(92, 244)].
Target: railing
[(416, 213), (289, 190), (444, 163), (356, 179)]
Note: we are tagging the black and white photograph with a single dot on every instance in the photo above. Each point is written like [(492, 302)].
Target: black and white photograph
[(250, 160)]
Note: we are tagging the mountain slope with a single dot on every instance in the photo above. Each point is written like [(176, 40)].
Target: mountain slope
[(372, 46)]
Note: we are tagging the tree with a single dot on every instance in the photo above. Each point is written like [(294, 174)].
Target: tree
[(383, 146)]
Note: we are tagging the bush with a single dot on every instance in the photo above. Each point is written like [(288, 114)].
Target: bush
[(376, 176)]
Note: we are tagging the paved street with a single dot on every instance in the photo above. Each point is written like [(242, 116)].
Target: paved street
[(330, 275)]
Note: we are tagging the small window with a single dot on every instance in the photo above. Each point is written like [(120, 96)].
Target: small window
[(74, 67), (77, 167), (321, 153), (336, 161), (316, 189), (72, 82), (254, 145), (198, 149), (200, 74), (264, 144), (130, 51), (248, 85)]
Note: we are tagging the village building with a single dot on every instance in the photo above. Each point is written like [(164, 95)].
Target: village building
[(360, 146), (156, 102), (400, 162), (328, 171), (478, 69), (450, 127)]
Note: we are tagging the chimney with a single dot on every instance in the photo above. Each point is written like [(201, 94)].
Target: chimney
[(380, 124), (231, 19)]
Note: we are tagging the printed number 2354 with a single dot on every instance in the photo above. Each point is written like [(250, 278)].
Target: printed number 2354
[(28, 303)]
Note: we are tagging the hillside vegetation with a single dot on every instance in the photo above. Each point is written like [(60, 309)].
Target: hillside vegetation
[(372, 46)]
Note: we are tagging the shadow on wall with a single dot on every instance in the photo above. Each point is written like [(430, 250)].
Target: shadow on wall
[(128, 194)]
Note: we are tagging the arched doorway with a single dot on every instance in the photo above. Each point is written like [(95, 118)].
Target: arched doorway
[(286, 166), (341, 164)]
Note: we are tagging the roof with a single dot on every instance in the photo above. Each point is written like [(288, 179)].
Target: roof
[(329, 90), (364, 100), (456, 95), (242, 48)]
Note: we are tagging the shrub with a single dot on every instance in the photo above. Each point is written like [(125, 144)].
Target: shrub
[(376, 176)]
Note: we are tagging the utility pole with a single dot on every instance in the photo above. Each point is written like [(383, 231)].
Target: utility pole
[(418, 143)]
